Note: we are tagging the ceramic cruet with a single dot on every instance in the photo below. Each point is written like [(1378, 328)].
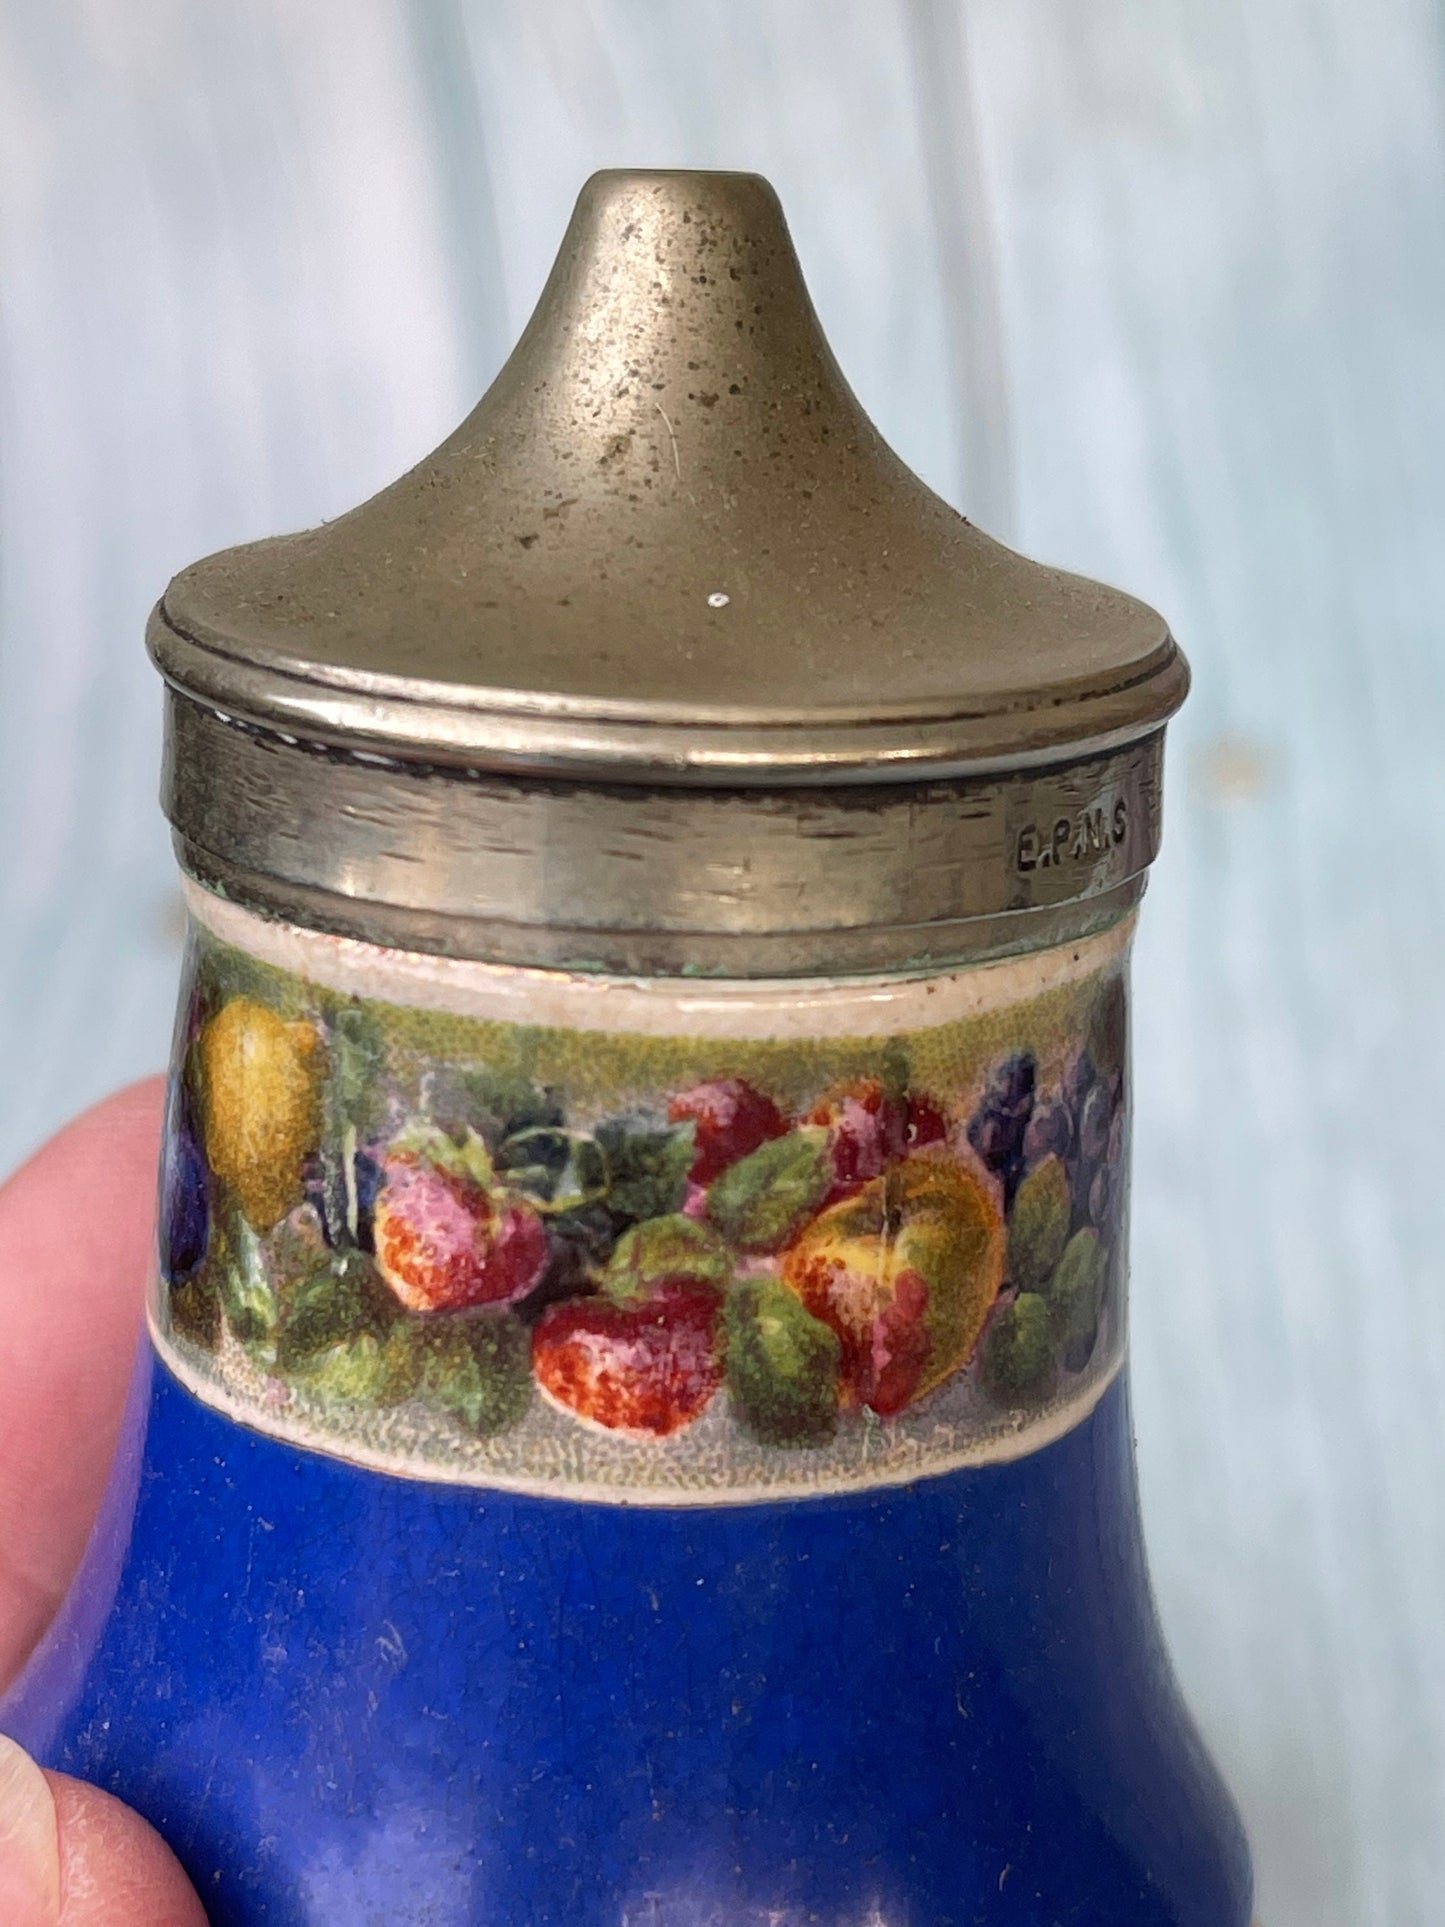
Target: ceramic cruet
[(633, 1429)]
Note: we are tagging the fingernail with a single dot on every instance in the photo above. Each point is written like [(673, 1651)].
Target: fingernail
[(29, 1842)]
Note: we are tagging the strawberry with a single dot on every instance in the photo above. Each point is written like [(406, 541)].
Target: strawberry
[(927, 1122), (871, 1129), (446, 1235), (730, 1119), (644, 1370)]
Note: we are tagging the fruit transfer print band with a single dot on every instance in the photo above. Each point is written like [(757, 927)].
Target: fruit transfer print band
[(663, 1242)]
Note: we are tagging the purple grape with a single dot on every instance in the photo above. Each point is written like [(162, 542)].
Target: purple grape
[(1095, 1117), (992, 1134), (1078, 1080), (998, 1126), (185, 1204), (1102, 1194), (1050, 1132), (1011, 1083)]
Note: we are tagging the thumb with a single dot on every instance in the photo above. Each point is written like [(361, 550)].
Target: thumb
[(71, 1856)]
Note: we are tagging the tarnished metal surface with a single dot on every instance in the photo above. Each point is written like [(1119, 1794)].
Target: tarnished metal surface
[(669, 556), (628, 878), (669, 544)]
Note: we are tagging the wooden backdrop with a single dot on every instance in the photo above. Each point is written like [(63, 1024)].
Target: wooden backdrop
[(1156, 290)]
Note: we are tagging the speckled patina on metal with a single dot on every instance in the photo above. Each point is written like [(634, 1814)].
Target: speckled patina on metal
[(667, 559)]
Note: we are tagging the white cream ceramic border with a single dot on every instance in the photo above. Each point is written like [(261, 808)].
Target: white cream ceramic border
[(820, 1008), (567, 1466)]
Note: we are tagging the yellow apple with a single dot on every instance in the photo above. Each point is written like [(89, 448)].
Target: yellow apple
[(905, 1273)]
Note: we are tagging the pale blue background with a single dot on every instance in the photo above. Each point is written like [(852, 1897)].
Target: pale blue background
[(1156, 290)]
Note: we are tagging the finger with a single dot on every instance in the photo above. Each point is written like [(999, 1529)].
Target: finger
[(71, 1856), (76, 1228), (115, 1871)]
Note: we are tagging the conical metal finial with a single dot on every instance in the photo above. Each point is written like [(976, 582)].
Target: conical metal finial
[(667, 548), (670, 519)]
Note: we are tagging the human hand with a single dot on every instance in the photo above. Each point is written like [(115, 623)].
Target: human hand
[(76, 1238)]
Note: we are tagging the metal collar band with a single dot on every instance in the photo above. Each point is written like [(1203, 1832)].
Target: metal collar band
[(628, 879)]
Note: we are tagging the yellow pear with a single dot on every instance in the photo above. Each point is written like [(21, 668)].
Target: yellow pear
[(260, 1081)]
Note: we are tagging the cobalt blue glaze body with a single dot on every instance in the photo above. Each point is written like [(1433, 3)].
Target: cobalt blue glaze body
[(346, 1697)]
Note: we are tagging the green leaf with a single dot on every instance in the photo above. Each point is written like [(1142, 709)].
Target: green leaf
[(354, 1096), (465, 1155), (534, 1160), (321, 1313), (1020, 1351), (581, 1186), (358, 1057), (670, 1247), (1075, 1293), (1038, 1227), (340, 1300), (510, 1103), (365, 1370), (195, 1308), (646, 1166), (588, 1230), (476, 1366), (782, 1366), (246, 1295), (559, 1170), (894, 1071), (760, 1201)]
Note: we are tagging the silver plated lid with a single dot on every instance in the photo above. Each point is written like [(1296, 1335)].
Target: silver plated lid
[(664, 660)]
